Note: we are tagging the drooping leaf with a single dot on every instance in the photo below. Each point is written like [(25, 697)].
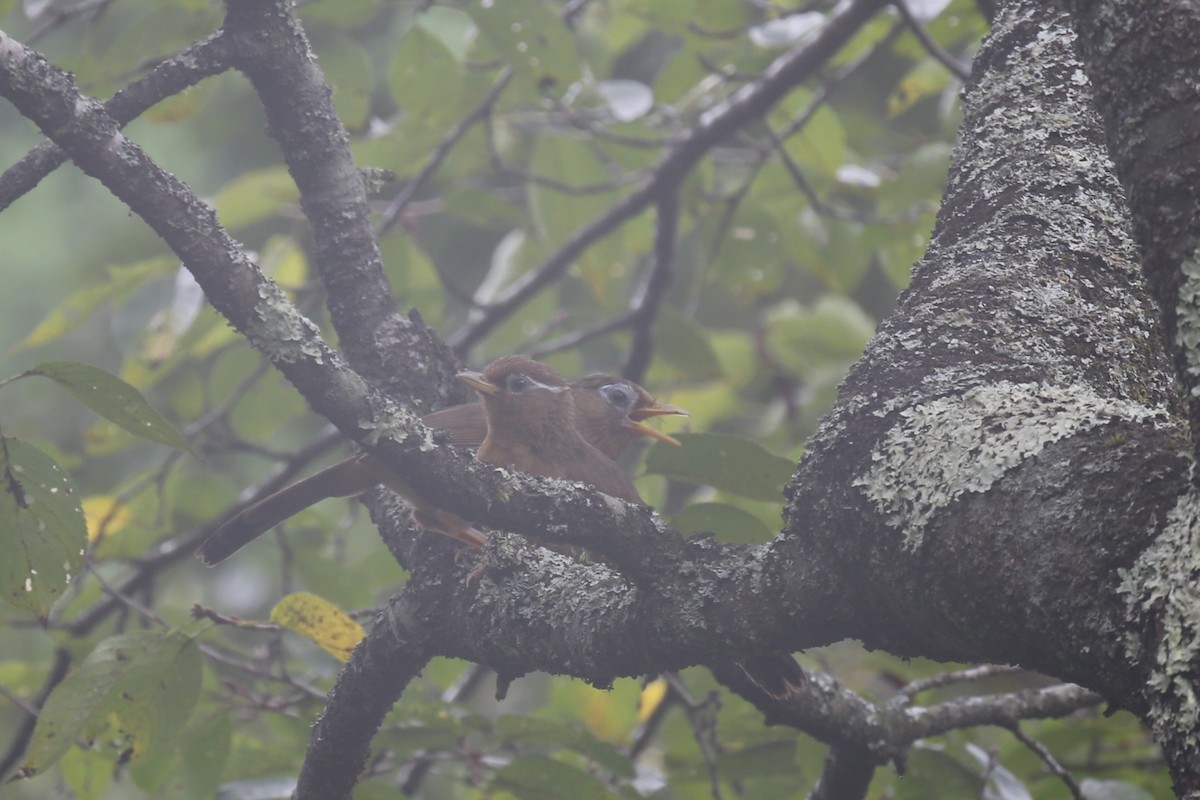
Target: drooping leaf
[(431, 102), (926, 78), (533, 730), (133, 692), (113, 399), (81, 303), (348, 71), (532, 39), (254, 196), (542, 778), (729, 523), (729, 463), (319, 620), (682, 345), (42, 532), (819, 341), (87, 772)]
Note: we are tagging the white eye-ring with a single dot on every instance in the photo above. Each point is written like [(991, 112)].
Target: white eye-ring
[(618, 396)]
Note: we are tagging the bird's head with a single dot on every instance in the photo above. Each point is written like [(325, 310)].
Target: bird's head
[(522, 398), (611, 412)]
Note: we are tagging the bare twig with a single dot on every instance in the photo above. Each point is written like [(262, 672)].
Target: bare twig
[(712, 127), (441, 152), (21, 737), (653, 290), (201, 60), (1042, 752), (982, 672), (933, 48)]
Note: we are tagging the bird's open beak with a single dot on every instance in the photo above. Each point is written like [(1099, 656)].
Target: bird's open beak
[(657, 410), (477, 382)]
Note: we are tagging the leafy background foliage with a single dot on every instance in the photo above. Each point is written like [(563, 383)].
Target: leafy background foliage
[(794, 237)]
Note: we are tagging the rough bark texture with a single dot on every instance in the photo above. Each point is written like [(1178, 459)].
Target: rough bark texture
[(1143, 59), (973, 482), (401, 355)]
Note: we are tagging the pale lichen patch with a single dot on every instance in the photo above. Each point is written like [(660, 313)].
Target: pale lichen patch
[(1187, 314), (947, 447), (280, 332), (1162, 595)]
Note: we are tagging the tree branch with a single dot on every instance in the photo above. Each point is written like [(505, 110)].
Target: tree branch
[(403, 356), (202, 60), (711, 128)]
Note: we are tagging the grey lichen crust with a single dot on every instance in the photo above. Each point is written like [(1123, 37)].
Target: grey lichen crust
[(942, 449), (1163, 595), (1188, 319)]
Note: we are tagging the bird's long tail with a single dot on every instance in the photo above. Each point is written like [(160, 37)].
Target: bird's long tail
[(346, 478)]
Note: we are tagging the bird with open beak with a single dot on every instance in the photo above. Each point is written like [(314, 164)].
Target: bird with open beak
[(610, 414)]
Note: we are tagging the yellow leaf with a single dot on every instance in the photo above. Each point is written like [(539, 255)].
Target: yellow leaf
[(652, 694), (105, 515), (927, 78), (319, 620)]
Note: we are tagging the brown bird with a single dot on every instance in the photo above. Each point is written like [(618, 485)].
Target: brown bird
[(610, 414), (531, 427)]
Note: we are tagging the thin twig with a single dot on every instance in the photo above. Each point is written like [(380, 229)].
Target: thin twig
[(653, 290), (982, 672), (173, 75), (441, 152), (933, 48), (1049, 760), (24, 732), (712, 127)]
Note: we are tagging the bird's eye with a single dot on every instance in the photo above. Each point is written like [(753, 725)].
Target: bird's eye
[(517, 383), (618, 395)]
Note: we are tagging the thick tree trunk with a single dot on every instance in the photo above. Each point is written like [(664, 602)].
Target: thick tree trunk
[(1012, 442)]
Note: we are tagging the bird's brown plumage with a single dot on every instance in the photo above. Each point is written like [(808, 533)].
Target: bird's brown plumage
[(531, 427), (604, 415)]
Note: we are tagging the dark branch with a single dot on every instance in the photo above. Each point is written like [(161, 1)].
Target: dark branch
[(749, 102), (201, 60)]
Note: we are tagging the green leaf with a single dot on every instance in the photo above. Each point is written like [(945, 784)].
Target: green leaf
[(729, 463), (113, 399), (87, 772), (343, 13), (42, 532), (452, 27), (531, 38), (819, 341), (1094, 789), (254, 196), (134, 691), (80, 304), (347, 68), (776, 757), (681, 344), (432, 102), (531, 730), (542, 778), (729, 523), (558, 215)]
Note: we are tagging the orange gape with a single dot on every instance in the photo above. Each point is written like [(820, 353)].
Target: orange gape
[(608, 415)]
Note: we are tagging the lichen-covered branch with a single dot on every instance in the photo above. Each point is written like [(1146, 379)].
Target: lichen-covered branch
[(170, 77), (972, 481), (1143, 59), (401, 355)]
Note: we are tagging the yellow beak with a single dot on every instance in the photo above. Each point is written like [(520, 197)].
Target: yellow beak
[(477, 382)]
